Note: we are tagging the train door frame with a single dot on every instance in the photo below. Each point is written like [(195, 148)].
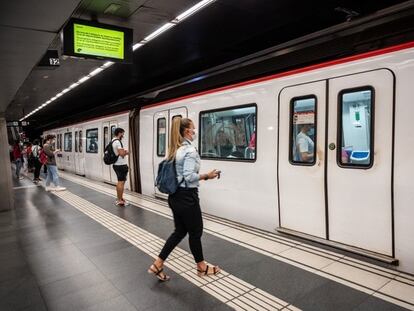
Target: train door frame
[(168, 114)]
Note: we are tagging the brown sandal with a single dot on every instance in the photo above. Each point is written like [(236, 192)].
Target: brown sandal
[(157, 272), (216, 270)]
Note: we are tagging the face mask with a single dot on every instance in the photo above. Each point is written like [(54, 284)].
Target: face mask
[(194, 135)]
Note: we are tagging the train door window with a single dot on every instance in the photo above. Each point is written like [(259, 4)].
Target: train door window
[(58, 141), (106, 136), (76, 141), (161, 136), (302, 130), (113, 127), (68, 142), (92, 140), (356, 108), (80, 142), (229, 134)]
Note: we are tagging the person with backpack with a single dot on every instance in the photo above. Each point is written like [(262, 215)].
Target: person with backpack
[(184, 202), (36, 149), (117, 153), (17, 156), (52, 171)]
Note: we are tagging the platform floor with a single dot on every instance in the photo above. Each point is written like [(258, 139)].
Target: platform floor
[(76, 250)]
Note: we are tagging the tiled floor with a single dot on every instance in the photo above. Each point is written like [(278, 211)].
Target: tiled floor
[(56, 256)]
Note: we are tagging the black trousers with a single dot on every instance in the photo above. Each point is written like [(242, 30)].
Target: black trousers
[(37, 166), (185, 206)]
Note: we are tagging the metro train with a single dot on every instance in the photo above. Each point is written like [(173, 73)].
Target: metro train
[(321, 152)]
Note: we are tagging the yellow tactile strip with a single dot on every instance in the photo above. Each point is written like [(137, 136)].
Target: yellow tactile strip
[(227, 288)]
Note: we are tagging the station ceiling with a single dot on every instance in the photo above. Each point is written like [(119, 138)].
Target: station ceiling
[(224, 31)]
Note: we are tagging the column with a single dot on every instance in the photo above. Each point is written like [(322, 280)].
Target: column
[(6, 189)]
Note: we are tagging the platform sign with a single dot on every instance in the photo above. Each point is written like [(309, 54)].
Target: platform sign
[(95, 40), (50, 59)]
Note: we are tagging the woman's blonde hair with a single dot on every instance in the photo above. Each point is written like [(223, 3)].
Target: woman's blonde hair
[(178, 127)]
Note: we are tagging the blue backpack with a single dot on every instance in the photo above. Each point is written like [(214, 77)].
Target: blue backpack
[(166, 181)]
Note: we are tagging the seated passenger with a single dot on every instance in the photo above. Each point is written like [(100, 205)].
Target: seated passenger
[(305, 145), (93, 146)]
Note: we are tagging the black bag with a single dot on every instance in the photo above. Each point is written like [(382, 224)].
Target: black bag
[(109, 155)]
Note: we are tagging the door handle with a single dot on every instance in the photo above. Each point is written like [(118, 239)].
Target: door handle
[(332, 146)]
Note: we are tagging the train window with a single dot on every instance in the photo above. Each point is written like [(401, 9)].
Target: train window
[(302, 130), (92, 141), (355, 127), (68, 142), (60, 141), (80, 141), (106, 136), (229, 134), (76, 141), (113, 127), (161, 136)]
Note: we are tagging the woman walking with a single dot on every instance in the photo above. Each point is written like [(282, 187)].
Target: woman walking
[(185, 203)]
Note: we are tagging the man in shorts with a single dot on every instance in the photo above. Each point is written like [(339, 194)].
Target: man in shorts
[(121, 165)]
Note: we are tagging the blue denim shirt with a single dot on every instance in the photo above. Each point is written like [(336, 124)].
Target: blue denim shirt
[(187, 164)]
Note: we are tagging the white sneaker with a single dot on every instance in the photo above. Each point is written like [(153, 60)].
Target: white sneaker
[(21, 177), (60, 188), (49, 188)]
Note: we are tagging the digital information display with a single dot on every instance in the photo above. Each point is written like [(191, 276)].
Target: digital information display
[(97, 41), (90, 39)]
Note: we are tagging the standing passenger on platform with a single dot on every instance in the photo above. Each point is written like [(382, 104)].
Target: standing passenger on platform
[(185, 203), (52, 172), (36, 162), (25, 158), (17, 156), (120, 166)]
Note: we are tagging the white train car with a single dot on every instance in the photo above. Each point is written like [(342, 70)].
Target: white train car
[(323, 152), (82, 146)]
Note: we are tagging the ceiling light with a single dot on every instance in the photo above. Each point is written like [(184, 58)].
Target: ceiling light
[(137, 46), (96, 71), (112, 8), (84, 79), (48, 102), (159, 31), (193, 9), (59, 94), (44, 105), (45, 77), (53, 98), (72, 86), (65, 90), (107, 64)]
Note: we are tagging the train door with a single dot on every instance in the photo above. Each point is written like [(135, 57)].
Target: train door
[(113, 125), (359, 170), (335, 160), (67, 158), (79, 157), (106, 169), (301, 160), (162, 123)]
